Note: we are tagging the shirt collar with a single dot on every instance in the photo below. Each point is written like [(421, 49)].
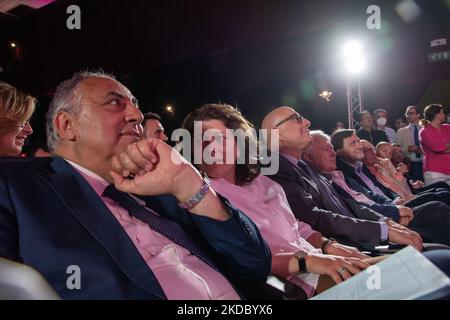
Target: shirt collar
[(336, 174), (358, 166), (290, 158), (353, 165), (98, 183)]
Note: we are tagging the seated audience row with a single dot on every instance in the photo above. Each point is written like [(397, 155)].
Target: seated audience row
[(141, 222)]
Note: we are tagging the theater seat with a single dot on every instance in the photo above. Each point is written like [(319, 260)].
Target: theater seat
[(21, 282)]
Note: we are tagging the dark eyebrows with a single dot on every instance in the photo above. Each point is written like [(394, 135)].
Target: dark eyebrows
[(115, 94), (121, 96)]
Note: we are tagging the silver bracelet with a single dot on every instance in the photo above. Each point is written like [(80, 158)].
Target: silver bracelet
[(196, 198)]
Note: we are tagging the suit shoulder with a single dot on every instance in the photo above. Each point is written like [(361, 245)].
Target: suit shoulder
[(401, 130), (17, 165)]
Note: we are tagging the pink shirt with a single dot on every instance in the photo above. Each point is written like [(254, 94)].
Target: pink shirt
[(181, 274), (265, 202), (433, 143), (338, 178)]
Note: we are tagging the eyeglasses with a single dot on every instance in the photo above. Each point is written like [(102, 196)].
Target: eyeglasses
[(410, 113), (23, 125), (295, 116)]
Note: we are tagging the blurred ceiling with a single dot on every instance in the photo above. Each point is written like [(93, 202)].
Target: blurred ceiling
[(11, 10)]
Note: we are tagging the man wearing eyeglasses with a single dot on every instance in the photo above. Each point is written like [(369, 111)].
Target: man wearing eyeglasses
[(350, 222), (408, 138)]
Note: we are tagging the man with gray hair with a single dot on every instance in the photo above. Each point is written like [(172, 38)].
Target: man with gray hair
[(73, 217)]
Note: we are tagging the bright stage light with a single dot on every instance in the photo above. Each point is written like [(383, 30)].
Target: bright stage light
[(354, 59), (326, 95), (169, 109)]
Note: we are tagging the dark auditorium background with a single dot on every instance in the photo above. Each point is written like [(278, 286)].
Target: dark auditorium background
[(255, 54)]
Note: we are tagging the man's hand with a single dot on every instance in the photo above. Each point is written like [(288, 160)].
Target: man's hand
[(331, 265), (385, 163), (157, 169), (406, 237), (417, 184), (399, 201), (337, 249), (402, 168), (395, 225), (414, 149), (406, 215)]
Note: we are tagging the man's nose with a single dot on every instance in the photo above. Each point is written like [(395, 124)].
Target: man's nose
[(306, 123), (133, 114)]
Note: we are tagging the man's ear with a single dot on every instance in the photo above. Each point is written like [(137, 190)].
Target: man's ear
[(64, 126)]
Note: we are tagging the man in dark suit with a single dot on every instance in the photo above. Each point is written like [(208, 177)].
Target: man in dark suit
[(63, 217), (348, 221), (429, 217), (368, 131)]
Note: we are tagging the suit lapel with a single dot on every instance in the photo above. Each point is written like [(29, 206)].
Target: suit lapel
[(347, 170), (301, 176), (82, 201)]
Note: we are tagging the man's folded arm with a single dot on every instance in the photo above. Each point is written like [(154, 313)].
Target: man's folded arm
[(238, 243)]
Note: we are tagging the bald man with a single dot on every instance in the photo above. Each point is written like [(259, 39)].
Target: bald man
[(349, 222)]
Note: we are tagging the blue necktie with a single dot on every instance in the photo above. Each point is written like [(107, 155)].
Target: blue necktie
[(416, 139), (168, 228)]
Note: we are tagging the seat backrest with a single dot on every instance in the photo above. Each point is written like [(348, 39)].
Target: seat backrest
[(21, 282)]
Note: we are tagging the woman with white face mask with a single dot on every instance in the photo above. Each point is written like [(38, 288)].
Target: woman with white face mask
[(380, 116), (16, 109)]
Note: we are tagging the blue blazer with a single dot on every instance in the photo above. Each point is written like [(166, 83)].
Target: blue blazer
[(383, 204), (50, 219)]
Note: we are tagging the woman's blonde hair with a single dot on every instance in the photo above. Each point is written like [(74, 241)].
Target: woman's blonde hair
[(16, 107)]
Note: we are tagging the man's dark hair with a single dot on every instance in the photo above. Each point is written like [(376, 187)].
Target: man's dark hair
[(152, 115), (413, 107), (337, 138)]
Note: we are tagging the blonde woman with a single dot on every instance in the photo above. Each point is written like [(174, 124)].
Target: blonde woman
[(16, 109)]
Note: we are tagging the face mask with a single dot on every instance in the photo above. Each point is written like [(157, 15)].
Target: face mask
[(381, 122)]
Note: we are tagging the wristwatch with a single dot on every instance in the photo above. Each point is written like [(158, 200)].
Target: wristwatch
[(301, 257)]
